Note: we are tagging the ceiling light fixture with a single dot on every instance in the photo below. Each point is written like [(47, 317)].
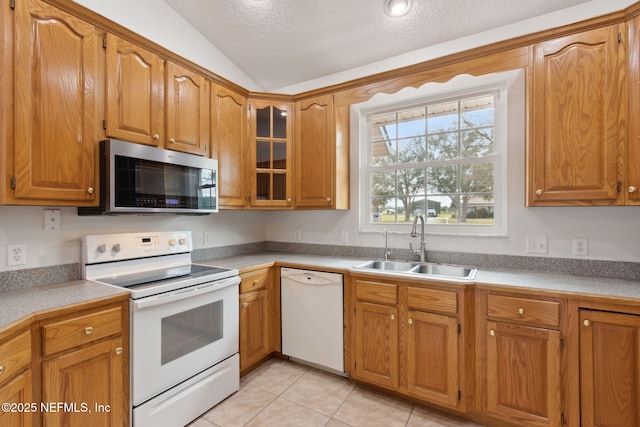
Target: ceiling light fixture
[(397, 8)]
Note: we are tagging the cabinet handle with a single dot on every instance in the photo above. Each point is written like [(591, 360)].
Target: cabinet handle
[(586, 322), (1, 369), (88, 330), (156, 137), (90, 190), (245, 304), (410, 321), (393, 317), (632, 189), (172, 141), (492, 332), (521, 311), (118, 350), (539, 192)]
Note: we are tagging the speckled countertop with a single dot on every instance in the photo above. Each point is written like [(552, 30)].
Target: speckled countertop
[(17, 305), (556, 282)]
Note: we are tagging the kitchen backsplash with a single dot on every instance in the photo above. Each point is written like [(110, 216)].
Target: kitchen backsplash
[(18, 279)]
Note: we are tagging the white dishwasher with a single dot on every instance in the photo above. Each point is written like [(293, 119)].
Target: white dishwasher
[(312, 318)]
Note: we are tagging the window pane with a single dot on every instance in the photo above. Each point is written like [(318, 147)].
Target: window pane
[(443, 146), (411, 150), (477, 178), (263, 154), (477, 142), (383, 153), (383, 183), (442, 180), (411, 123), (263, 122), (262, 186), (279, 123), (477, 112), (279, 155), (279, 186), (442, 117)]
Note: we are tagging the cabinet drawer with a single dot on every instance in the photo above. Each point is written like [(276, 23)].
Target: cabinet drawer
[(15, 354), (377, 292), (523, 310), (433, 300), (254, 280), (76, 331)]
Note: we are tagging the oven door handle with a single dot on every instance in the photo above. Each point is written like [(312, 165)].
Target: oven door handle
[(188, 292)]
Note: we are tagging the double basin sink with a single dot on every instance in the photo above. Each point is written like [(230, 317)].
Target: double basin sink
[(422, 269)]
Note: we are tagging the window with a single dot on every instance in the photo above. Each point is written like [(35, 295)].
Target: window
[(440, 157)]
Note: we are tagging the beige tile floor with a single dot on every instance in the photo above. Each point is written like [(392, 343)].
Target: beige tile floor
[(281, 393)]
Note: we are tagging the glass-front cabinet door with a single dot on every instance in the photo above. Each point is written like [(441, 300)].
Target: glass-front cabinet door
[(271, 151)]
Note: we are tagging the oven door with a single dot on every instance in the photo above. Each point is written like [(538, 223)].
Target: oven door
[(175, 335)]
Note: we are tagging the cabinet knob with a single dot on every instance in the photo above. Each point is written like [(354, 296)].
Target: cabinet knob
[(118, 350), (172, 141), (521, 311), (289, 200), (328, 199), (245, 304), (88, 330), (1, 369), (539, 192), (492, 332), (586, 322), (257, 281), (410, 321), (90, 190), (393, 317), (632, 189), (156, 137)]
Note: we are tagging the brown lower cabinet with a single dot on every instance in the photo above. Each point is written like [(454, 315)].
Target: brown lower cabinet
[(259, 316), (609, 369), (68, 368), (409, 339)]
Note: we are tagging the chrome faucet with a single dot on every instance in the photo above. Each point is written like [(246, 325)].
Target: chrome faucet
[(423, 250), (387, 251)]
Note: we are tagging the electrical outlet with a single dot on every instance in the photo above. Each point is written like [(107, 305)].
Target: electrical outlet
[(16, 254), (206, 238), (536, 244), (580, 246), (344, 236), (297, 235)]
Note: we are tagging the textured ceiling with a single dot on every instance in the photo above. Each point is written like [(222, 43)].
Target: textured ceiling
[(279, 43)]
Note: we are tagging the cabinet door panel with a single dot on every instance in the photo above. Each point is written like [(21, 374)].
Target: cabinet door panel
[(315, 153), (92, 375), (609, 369), (254, 333), (56, 115), (523, 374), (376, 349), (17, 391), (433, 357), (135, 93), (228, 124), (187, 110), (577, 88)]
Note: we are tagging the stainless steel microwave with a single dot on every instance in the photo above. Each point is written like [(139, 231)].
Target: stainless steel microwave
[(139, 179)]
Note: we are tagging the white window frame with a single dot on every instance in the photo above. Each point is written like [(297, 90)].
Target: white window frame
[(457, 88)]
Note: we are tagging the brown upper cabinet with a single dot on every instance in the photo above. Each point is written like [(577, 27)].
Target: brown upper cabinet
[(187, 110), (135, 93), (271, 154), (577, 125), (56, 75), (229, 146)]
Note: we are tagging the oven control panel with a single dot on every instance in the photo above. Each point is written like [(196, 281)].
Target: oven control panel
[(117, 247)]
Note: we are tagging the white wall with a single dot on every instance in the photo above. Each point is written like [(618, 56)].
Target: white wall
[(158, 22), (25, 225)]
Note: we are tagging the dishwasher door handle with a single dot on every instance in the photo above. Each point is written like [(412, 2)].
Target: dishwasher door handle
[(308, 279)]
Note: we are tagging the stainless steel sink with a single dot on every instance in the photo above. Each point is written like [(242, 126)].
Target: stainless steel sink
[(388, 265), (457, 271), (427, 269)]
